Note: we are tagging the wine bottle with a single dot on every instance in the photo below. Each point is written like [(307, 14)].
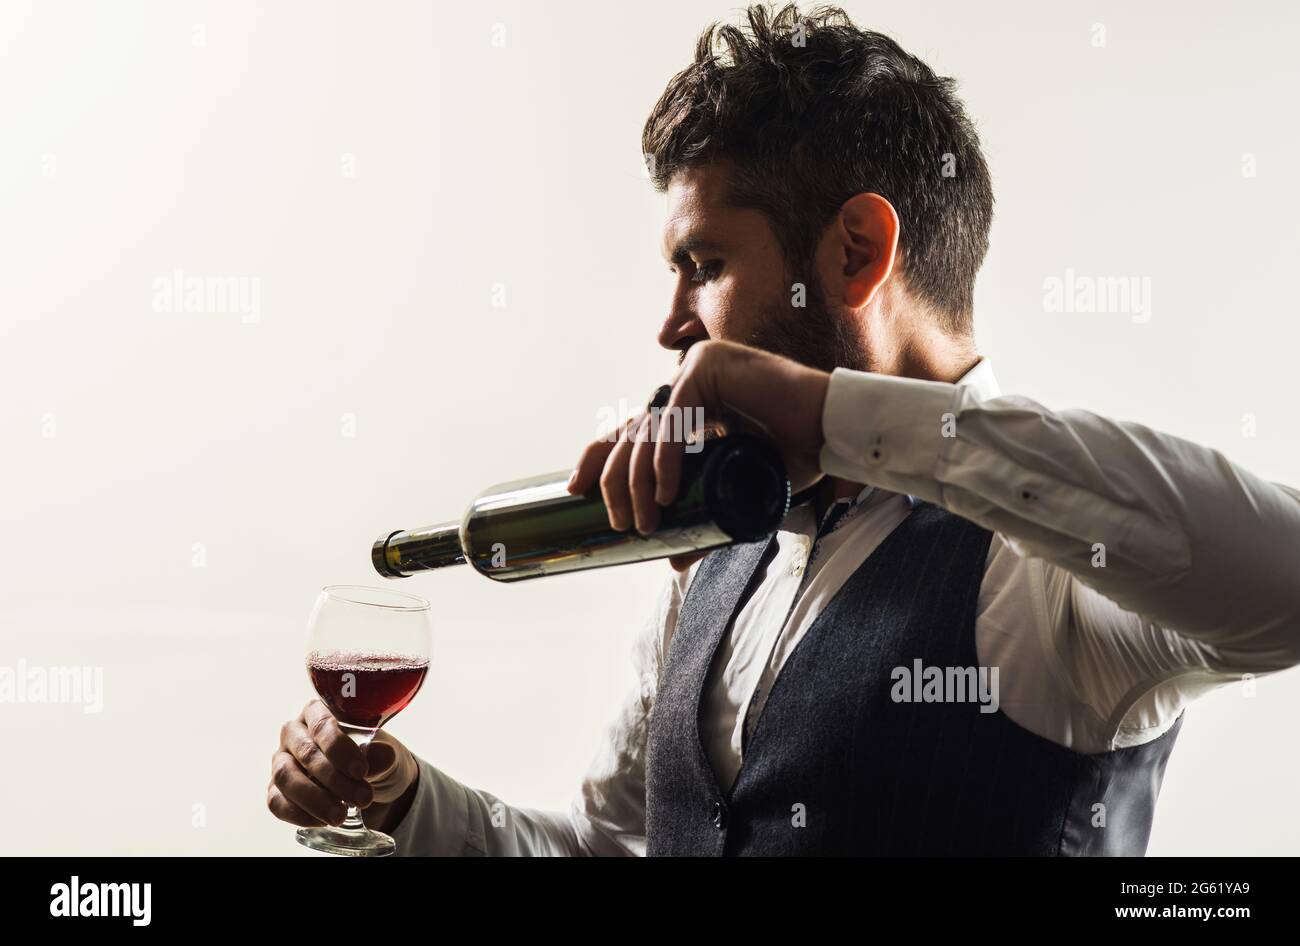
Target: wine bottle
[(732, 489)]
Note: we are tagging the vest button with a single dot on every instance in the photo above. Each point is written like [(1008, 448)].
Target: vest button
[(719, 818)]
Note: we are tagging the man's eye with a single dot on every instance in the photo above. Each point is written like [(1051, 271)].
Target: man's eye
[(706, 271)]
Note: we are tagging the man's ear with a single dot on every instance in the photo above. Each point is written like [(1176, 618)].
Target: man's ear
[(867, 232)]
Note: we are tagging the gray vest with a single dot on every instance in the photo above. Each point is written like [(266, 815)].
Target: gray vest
[(837, 766)]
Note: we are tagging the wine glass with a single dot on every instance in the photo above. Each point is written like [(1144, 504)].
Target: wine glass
[(368, 652)]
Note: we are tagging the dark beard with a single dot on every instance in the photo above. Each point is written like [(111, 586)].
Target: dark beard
[(813, 335)]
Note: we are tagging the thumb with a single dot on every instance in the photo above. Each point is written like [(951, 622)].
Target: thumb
[(380, 758), (392, 768)]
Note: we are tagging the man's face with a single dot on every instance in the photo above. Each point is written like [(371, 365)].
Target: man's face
[(726, 262), (733, 282)]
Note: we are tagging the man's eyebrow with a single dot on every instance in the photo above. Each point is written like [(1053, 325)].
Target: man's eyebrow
[(681, 253)]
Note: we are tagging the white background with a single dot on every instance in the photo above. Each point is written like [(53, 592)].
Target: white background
[(212, 138)]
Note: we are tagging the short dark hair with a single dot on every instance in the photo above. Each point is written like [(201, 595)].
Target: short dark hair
[(812, 110)]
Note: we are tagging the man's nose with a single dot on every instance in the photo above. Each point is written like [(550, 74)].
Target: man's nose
[(682, 327)]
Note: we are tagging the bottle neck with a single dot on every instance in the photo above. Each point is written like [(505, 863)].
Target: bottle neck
[(403, 552)]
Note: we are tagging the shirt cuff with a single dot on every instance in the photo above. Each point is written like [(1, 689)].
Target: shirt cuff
[(437, 823), (888, 432)]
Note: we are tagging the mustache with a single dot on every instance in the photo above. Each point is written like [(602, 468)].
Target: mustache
[(816, 337)]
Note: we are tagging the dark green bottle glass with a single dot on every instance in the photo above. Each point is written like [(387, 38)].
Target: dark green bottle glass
[(733, 489)]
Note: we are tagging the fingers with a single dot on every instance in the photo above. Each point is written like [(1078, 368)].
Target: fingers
[(592, 462), (628, 480), (297, 789), (641, 481), (587, 473), (342, 752), (666, 461), (614, 486), (312, 759), (640, 471), (317, 771), (286, 810)]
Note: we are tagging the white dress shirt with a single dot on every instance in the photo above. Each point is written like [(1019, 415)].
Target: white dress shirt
[(1129, 573)]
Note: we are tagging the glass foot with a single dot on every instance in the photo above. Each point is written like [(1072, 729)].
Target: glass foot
[(346, 842)]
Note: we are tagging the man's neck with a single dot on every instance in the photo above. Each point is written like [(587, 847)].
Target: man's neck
[(903, 337), (928, 355), (934, 356), (829, 490)]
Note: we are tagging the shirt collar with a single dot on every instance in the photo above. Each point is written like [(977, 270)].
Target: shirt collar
[(981, 380)]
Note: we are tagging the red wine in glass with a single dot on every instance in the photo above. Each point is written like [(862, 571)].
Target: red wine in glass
[(366, 690), (367, 656)]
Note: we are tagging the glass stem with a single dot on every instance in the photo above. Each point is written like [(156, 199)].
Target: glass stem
[(362, 738)]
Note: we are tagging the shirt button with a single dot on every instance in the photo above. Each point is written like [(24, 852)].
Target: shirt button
[(799, 560), (719, 816)]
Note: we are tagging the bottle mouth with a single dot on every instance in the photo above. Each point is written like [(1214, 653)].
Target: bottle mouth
[(379, 556)]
